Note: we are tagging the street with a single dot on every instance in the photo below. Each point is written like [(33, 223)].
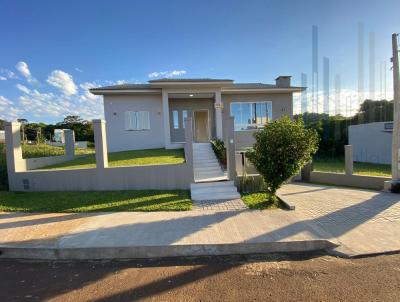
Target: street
[(275, 277)]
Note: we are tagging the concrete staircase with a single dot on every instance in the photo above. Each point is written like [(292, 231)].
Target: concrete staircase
[(206, 165), (210, 180)]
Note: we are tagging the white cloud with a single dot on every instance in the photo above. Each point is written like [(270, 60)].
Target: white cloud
[(7, 74), (23, 69), (62, 81), (23, 88), (167, 74), (4, 101), (78, 69), (87, 95)]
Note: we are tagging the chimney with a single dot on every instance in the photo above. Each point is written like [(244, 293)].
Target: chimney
[(283, 81)]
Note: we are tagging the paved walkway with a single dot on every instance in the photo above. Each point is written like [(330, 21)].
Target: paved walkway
[(363, 221), (156, 234), (219, 205)]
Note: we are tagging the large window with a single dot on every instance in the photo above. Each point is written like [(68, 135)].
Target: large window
[(251, 115), (137, 120)]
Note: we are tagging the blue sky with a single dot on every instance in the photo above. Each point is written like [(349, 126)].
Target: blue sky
[(51, 52)]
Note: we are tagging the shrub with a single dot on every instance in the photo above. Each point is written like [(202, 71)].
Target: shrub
[(219, 150), (281, 149)]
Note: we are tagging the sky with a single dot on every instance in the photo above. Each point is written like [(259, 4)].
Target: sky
[(52, 52)]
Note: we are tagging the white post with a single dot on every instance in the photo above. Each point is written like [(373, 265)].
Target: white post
[(100, 143), (13, 147), (348, 159), (396, 111), (218, 114), (69, 138), (167, 131)]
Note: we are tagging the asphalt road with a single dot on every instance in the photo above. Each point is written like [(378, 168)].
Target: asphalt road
[(250, 278)]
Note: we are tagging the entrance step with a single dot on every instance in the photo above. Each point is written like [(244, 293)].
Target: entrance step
[(223, 190), (205, 164)]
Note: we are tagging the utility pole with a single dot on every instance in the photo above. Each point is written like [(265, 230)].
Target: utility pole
[(396, 111)]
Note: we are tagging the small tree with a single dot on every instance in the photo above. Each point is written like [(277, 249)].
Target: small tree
[(282, 148)]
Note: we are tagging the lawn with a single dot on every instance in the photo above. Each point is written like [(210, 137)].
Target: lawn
[(334, 164), (127, 158), (96, 201), (261, 201)]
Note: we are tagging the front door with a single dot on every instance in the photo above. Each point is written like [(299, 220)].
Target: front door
[(201, 131)]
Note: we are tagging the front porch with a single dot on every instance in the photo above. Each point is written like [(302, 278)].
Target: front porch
[(203, 106)]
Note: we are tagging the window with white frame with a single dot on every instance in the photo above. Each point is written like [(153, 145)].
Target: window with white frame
[(184, 116), (251, 115), (137, 120)]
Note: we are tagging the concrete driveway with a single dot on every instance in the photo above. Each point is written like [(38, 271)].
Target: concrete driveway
[(362, 221)]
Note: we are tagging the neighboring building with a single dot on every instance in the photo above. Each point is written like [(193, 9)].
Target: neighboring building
[(58, 136), (145, 116), (372, 143)]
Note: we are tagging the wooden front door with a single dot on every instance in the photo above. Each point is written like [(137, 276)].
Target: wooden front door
[(201, 129)]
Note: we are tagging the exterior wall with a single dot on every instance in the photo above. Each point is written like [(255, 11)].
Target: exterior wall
[(339, 179), (118, 139), (371, 143), (39, 162), (282, 104), (178, 135), (157, 177), (118, 178)]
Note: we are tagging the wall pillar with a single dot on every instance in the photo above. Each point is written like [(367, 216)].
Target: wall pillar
[(229, 141), (100, 143), (218, 114), (69, 137), (348, 159), (13, 151), (165, 110), (189, 145)]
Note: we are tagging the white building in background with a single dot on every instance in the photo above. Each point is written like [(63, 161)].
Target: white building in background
[(372, 143)]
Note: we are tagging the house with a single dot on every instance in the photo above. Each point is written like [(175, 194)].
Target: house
[(372, 142), (145, 116), (165, 113)]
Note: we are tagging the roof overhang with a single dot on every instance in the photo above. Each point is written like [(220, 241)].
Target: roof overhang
[(124, 91), (261, 90)]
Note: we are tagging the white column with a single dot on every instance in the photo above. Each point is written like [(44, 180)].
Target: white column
[(69, 137), (100, 143), (218, 114), (167, 131), (348, 156)]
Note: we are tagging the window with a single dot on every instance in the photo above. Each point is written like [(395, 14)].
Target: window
[(175, 119), (137, 120), (184, 116), (251, 115)]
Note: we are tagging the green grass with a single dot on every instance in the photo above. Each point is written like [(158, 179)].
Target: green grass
[(127, 158), (261, 201), (334, 164), (96, 201), (43, 150)]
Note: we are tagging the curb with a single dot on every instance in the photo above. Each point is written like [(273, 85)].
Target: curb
[(140, 252)]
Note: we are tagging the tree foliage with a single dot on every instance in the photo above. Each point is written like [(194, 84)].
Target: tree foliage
[(282, 148)]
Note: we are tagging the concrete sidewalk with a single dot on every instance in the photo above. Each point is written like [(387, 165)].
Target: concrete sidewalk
[(364, 222), (157, 234)]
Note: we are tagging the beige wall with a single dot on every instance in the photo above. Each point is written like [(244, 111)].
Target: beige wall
[(119, 139)]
